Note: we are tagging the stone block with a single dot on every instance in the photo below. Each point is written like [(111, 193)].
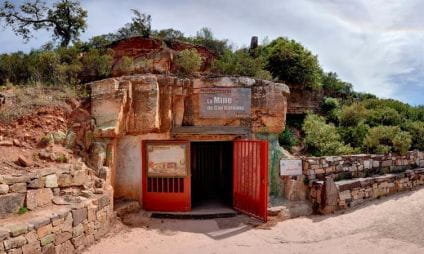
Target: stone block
[(15, 242), (345, 195), (79, 215), (62, 237), (47, 239), (4, 188), (18, 187), (4, 233), (49, 249), (32, 248), (36, 183), (65, 180), (387, 163), (79, 241), (10, 203), (31, 237), (39, 221), (78, 230), (15, 251), (38, 198), (44, 230), (67, 224), (17, 229), (65, 248), (51, 181), (80, 178)]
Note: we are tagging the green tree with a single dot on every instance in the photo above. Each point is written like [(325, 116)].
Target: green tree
[(290, 62), (206, 38), (140, 25), (66, 18)]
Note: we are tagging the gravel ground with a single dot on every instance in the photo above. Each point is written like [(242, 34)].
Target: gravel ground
[(388, 225)]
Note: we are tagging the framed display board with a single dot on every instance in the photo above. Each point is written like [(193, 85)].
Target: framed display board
[(167, 159)]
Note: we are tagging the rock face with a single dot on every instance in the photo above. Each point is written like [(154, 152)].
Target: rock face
[(142, 104), (303, 99), (130, 109), (153, 55)]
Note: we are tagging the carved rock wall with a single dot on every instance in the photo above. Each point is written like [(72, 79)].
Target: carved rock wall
[(142, 104)]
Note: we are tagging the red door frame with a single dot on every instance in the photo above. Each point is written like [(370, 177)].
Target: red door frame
[(250, 178), (169, 200)]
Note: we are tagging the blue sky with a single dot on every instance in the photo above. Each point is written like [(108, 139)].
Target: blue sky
[(377, 45)]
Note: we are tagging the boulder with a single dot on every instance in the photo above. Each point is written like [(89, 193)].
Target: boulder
[(10, 203), (24, 161)]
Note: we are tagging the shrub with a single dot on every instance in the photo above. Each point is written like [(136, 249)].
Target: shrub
[(385, 139), (383, 116), (241, 63), (126, 65), (354, 135), (352, 114), (97, 64), (416, 129), (290, 62), (188, 61), (287, 139), (322, 138)]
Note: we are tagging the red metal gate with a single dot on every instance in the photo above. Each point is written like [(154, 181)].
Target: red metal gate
[(165, 193), (250, 179)]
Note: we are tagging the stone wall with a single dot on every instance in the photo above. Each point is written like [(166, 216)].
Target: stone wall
[(339, 182), (55, 210), (362, 165), (65, 229), (328, 196), (65, 184)]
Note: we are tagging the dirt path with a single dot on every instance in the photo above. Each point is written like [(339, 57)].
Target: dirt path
[(390, 225)]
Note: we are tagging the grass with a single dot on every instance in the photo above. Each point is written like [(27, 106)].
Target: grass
[(23, 100), (22, 210)]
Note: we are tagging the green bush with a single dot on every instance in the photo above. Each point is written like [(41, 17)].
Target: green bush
[(188, 61), (290, 62), (383, 116), (287, 139), (354, 135), (416, 129), (352, 115), (241, 63), (385, 139), (323, 139)]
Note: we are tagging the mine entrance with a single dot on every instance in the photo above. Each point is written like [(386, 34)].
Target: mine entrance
[(211, 174)]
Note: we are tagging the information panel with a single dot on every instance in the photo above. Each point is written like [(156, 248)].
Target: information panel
[(225, 102), (167, 160), (290, 167)]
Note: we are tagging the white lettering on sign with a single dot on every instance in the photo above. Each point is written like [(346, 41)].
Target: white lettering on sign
[(290, 167), (234, 102)]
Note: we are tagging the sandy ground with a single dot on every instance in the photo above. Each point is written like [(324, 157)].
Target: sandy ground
[(388, 225)]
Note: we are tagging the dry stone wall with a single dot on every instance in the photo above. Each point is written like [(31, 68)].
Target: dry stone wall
[(340, 182), (362, 165), (350, 193), (62, 209), (65, 229)]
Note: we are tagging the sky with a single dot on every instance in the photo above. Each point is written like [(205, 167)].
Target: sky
[(377, 45)]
